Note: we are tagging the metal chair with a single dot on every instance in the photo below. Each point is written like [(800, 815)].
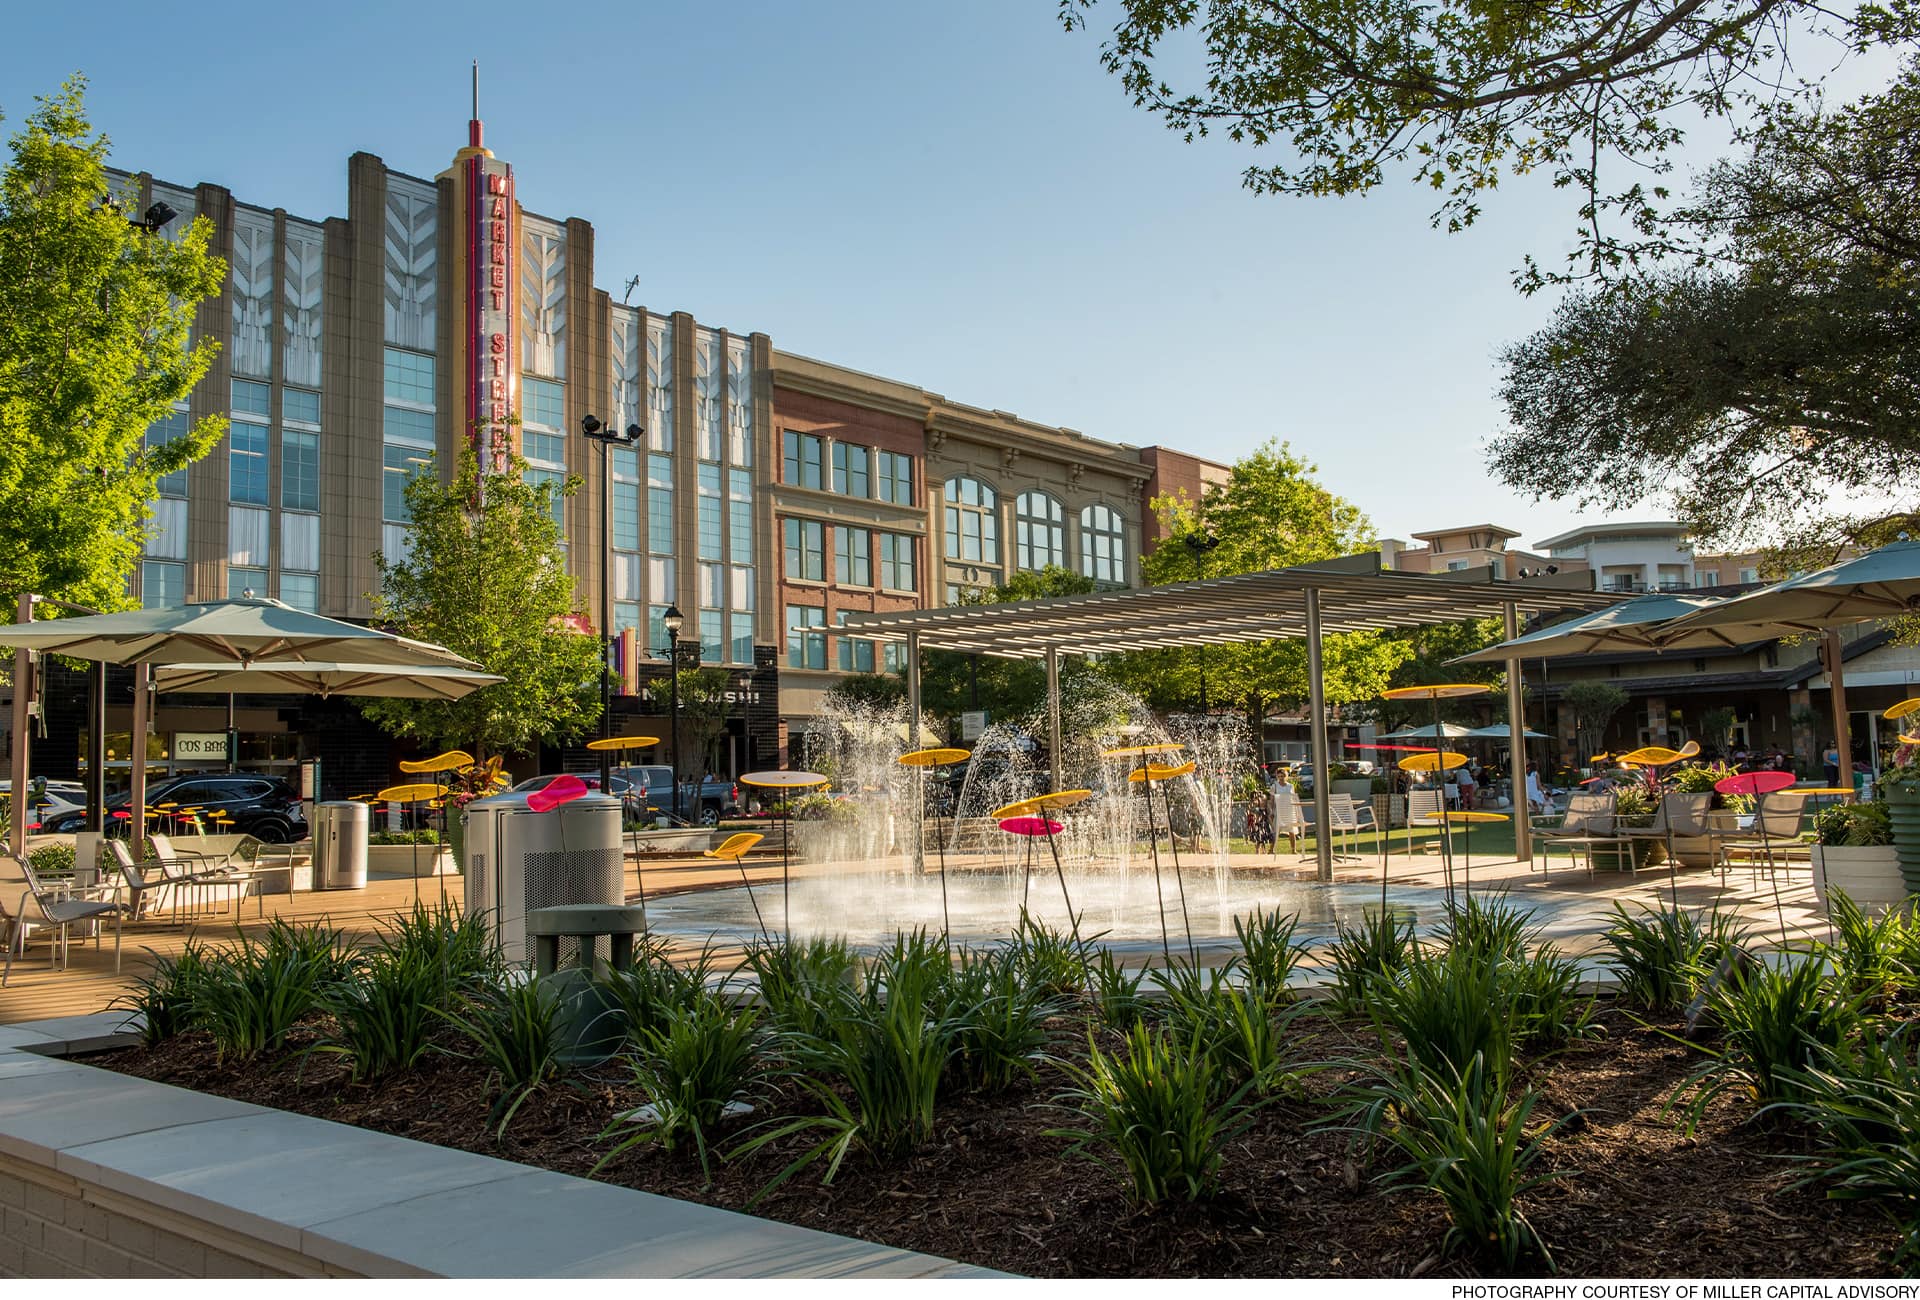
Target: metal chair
[(1344, 814), (1775, 835), (21, 894), (135, 883)]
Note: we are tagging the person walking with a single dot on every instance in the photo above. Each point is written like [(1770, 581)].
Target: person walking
[(1831, 758)]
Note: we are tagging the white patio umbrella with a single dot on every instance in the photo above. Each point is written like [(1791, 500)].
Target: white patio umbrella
[(242, 633), (322, 679), (1501, 731), (1629, 626), (1883, 583), (1448, 731)]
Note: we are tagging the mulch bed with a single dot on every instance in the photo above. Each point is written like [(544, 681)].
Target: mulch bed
[(1639, 1198)]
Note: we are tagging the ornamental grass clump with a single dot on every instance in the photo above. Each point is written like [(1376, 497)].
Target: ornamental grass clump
[(1048, 959), (654, 992), (1378, 948), (164, 1001), (1874, 956), (248, 997), (1661, 956), (1451, 1008), (445, 938), (1156, 1113), (999, 1022), (1238, 1027), (800, 981), (1268, 952), (515, 1031), (385, 1018), (692, 1068), (1115, 991)]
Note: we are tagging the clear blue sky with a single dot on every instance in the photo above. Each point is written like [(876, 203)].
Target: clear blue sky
[(953, 195)]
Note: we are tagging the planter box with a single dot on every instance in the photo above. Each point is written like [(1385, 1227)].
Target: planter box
[(1360, 787), (1869, 876), (399, 860)]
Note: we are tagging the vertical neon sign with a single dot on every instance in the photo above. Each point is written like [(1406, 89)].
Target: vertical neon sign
[(492, 372)]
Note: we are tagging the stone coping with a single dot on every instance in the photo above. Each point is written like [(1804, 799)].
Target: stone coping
[(359, 1202)]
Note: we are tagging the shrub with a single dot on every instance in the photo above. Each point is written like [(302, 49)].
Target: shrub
[(1465, 1140), (1856, 825), (999, 1023), (1873, 956), (1662, 956), (52, 861), (1234, 1026), (1491, 928), (446, 939), (1156, 1114), (1268, 952), (799, 981), (691, 1067), (653, 992), (425, 835), (515, 1031), (1450, 1008), (1047, 959), (1378, 948), (250, 996), (165, 999), (1116, 991), (384, 1019)]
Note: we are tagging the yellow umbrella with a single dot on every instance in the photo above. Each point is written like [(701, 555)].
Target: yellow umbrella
[(939, 757), (451, 761), (623, 742), (1431, 762), (1160, 772), (416, 792), (1902, 709)]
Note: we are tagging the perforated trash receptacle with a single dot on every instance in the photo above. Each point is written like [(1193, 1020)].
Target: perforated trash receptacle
[(519, 859), (340, 845)]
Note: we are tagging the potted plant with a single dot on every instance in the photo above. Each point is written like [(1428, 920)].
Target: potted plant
[(1853, 853), (405, 853), (1633, 808)]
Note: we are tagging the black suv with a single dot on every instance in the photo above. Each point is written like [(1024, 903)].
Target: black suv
[(265, 807)]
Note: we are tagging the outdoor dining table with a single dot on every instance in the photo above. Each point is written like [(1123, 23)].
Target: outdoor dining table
[(1467, 819)]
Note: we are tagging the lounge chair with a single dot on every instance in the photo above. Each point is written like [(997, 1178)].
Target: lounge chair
[(1775, 834), (26, 904), (1589, 823)]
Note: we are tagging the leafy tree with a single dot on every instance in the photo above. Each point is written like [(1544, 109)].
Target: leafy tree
[(1463, 96), (877, 690), (703, 717), (95, 317), (485, 577), (1773, 390), (1593, 704), (1271, 514), (952, 683)]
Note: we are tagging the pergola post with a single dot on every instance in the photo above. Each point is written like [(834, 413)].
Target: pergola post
[(913, 742), (22, 730), (1517, 746), (1317, 740), (1053, 715), (1837, 696), (137, 759)]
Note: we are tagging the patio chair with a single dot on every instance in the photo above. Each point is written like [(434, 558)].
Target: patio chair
[(1775, 834), (1690, 817), (1288, 820), (22, 898), (1344, 813), (211, 871), (1672, 812), (1421, 805), (1589, 823), (136, 884)]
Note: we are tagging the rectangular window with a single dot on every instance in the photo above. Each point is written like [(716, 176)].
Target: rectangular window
[(397, 424), (740, 516), (626, 614), (713, 640), (852, 558), (806, 550), (896, 562), (162, 586), (660, 505), (241, 581), (247, 462), (300, 406), (893, 657), (400, 464), (741, 585), (855, 654), (545, 404), (710, 536), (545, 448), (556, 504), (656, 632), (250, 398), (301, 590), (801, 465), (896, 478), (713, 585), (740, 640), (299, 470), (159, 434), (850, 476), (409, 378), (626, 516), (806, 649)]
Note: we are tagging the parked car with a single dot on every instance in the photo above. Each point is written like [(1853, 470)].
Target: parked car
[(265, 807), (705, 802), (57, 799)]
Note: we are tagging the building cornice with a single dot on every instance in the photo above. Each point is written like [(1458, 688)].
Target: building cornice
[(831, 507)]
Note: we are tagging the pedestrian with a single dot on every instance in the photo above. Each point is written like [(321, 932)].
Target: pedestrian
[(1536, 797), (1831, 759), (1468, 787)]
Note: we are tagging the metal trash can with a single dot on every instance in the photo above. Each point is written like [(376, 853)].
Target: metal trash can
[(519, 859), (340, 845)]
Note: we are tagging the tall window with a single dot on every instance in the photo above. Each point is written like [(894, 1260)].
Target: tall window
[(159, 434), (852, 556), (247, 463), (301, 590), (806, 550), (896, 562), (1040, 537), (543, 437), (806, 649), (407, 427), (854, 654), (660, 506), (400, 464), (740, 516), (162, 586), (299, 450), (1103, 545), (409, 378), (801, 465), (973, 521), (711, 539), (896, 478), (851, 475)]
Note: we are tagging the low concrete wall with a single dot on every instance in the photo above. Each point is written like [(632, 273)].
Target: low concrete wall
[(106, 1175)]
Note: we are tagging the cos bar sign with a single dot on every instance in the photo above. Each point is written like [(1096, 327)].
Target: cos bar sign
[(200, 745)]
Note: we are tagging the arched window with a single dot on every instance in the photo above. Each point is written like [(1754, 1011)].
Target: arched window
[(973, 522), (1103, 545), (1039, 532)]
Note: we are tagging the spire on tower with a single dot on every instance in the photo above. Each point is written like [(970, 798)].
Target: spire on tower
[(473, 123)]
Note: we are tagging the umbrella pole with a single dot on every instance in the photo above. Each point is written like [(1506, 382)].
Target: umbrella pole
[(1073, 919), (786, 849), (1440, 783), (1673, 868), (1773, 877), (1026, 878), (1179, 881), (1153, 843), (740, 861)]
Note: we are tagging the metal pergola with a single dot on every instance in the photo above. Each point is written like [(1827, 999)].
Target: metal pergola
[(1351, 594)]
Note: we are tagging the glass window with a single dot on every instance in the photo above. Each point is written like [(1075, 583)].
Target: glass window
[(626, 516), (893, 656), (250, 398), (546, 448), (713, 642), (556, 503), (854, 654), (660, 505), (247, 463), (409, 377), (740, 516), (806, 550), (741, 584), (401, 463), (896, 478), (973, 521), (801, 464), (852, 558), (301, 590), (242, 581), (896, 562), (740, 642), (850, 473), (397, 424), (1103, 545), (299, 406), (713, 585), (299, 470), (710, 537), (162, 586), (806, 649), (546, 403), (656, 632), (626, 614), (159, 434), (1040, 538)]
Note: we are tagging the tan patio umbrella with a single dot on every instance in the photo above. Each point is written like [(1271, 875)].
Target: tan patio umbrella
[(1883, 583), (322, 679), (241, 633)]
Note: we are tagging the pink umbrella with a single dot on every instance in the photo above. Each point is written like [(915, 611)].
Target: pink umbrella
[(1031, 826), (562, 789)]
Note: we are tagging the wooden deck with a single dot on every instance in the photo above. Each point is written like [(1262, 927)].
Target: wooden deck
[(89, 984)]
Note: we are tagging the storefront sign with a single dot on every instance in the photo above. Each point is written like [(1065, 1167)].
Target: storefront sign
[(972, 724), (200, 746), (491, 360)]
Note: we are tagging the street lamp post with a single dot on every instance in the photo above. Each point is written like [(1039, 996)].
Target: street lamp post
[(594, 431), (672, 621)]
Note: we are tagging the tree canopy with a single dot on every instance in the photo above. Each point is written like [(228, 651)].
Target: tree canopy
[(952, 683), (484, 576), (95, 321), (1772, 388), (1462, 96)]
